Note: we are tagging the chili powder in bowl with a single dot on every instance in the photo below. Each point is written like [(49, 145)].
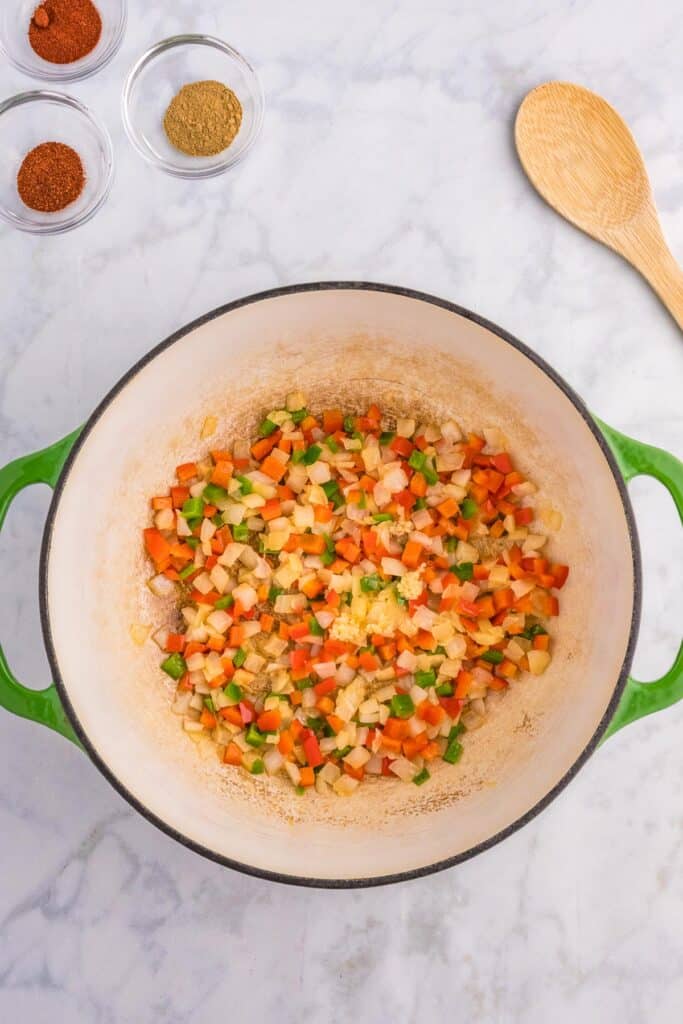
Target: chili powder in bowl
[(61, 40), (57, 164), (192, 106)]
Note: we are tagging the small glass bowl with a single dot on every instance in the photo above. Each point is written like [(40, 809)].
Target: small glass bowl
[(27, 120), (15, 18), (156, 79)]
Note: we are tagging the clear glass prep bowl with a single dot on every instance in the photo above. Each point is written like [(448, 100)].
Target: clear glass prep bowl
[(27, 120), (160, 74), (15, 18)]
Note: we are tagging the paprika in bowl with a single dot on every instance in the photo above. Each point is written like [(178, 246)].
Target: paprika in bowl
[(58, 164), (61, 40)]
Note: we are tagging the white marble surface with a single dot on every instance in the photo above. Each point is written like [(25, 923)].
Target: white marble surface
[(386, 154)]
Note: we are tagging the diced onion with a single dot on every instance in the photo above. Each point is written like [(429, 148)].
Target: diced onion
[(358, 757), (403, 768), (161, 585), (246, 596), (392, 567), (273, 761), (219, 620), (538, 661), (345, 785), (325, 669)]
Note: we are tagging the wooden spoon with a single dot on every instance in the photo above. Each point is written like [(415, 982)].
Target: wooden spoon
[(581, 157)]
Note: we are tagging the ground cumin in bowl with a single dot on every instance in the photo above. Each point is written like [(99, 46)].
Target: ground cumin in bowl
[(203, 119), (192, 106)]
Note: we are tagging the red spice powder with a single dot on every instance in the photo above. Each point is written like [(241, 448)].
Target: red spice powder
[(51, 177), (62, 31)]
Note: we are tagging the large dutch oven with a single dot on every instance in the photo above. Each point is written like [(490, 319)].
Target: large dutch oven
[(355, 343)]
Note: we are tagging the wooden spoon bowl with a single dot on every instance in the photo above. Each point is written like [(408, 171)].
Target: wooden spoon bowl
[(581, 157)]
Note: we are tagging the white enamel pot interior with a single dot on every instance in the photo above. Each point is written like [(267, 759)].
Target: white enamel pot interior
[(348, 344)]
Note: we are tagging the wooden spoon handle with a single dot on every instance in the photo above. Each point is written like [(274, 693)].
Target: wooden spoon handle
[(642, 243)]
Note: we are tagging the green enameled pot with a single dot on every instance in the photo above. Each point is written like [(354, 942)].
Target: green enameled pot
[(353, 343)]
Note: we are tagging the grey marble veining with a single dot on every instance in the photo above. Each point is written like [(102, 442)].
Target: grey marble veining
[(386, 154)]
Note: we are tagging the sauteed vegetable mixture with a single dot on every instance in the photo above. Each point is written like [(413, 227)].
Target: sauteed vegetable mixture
[(351, 591)]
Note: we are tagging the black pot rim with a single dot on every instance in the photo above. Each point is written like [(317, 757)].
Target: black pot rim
[(341, 883)]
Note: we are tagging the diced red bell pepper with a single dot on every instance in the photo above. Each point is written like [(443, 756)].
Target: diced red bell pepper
[(451, 705), (299, 657), (312, 751), (324, 687)]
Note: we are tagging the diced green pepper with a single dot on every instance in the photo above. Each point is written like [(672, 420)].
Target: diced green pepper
[(240, 532), (233, 692), (421, 777), (349, 424), (456, 730), (429, 473), (402, 705), (370, 584), (187, 571), (267, 428), (257, 767), (193, 508), (314, 627), (329, 554), (312, 454), (422, 464), (386, 437), (494, 657), (193, 542), (469, 508), (298, 456), (451, 543), (224, 602), (464, 571), (304, 684), (332, 444), (239, 657), (383, 517), (425, 679), (444, 690), (344, 751), (298, 415), (274, 592), (532, 631), (212, 494), (300, 790), (254, 736), (174, 666), (208, 704), (246, 486), (453, 751), (332, 492)]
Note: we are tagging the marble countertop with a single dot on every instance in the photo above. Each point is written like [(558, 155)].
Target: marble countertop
[(387, 155)]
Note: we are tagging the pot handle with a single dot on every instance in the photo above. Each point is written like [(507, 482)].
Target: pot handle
[(635, 459), (43, 706)]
